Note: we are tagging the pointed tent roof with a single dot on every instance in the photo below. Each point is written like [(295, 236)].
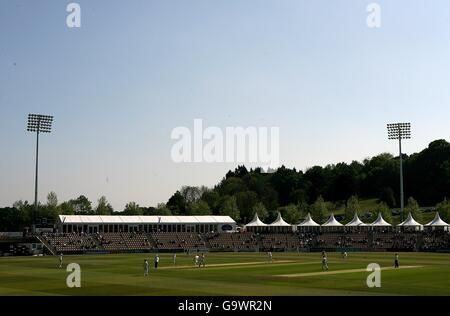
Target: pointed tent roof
[(410, 221), (256, 222), (279, 221), (437, 221), (355, 221), (380, 221), (332, 221), (308, 221)]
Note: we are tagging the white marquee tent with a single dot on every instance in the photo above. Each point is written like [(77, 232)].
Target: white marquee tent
[(332, 223), (355, 221), (380, 222), (410, 222), (437, 222), (280, 225), (256, 224), (308, 222)]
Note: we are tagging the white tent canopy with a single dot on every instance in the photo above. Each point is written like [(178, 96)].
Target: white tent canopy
[(410, 221), (256, 222), (380, 221), (332, 222), (163, 219), (308, 222), (124, 223), (437, 221), (280, 221), (355, 221)]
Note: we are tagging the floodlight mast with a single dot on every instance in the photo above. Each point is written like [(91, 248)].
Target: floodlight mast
[(400, 131), (40, 124)]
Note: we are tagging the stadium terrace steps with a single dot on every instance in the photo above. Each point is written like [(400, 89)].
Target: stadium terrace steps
[(245, 241), (46, 244)]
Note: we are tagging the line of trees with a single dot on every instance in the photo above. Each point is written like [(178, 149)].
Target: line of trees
[(319, 190)]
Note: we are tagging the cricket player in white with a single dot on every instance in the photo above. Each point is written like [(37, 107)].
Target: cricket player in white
[(396, 264), (61, 260), (156, 261), (174, 259), (196, 259), (324, 261), (145, 267)]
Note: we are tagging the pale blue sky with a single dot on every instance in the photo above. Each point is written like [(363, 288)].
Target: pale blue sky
[(136, 69)]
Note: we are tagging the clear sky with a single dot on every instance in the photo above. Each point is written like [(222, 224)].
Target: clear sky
[(135, 70)]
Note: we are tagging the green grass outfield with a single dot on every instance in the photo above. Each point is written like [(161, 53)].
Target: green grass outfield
[(228, 274)]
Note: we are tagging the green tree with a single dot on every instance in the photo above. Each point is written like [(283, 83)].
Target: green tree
[(259, 209), (319, 210), (103, 207), (229, 207), (25, 212), (245, 202), (52, 200), (66, 208), (414, 208), (303, 209), (290, 213), (352, 207), (177, 203), (385, 211), (193, 194), (231, 186), (443, 208), (214, 200), (82, 205), (199, 208), (132, 208), (52, 205), (387, 196), (162, 209)]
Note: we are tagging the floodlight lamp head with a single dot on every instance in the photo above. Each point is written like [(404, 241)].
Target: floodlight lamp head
[(399, 130), (39, 123)]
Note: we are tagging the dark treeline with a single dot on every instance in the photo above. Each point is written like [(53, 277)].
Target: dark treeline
[(318, 190), (293, 192)]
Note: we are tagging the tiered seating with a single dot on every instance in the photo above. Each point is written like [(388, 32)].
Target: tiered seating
[(279, 241), (191, 240), (383, 241), (436, 240), (343, 240), (178, 241), (137, 241), (166, 241), (246, 241), (354, 240), (405, 241), (396, 241), (220, 241), (236, 241), (112, 241), (306, 240), (70, 242)]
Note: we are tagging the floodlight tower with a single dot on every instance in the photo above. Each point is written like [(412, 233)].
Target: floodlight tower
[(400, 131), (40, 124)]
